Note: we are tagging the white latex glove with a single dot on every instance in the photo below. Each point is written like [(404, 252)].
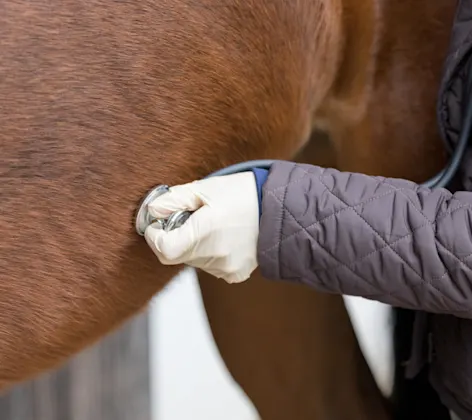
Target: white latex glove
[(221, 236)]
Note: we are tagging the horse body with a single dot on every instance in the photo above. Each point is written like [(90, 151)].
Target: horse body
[(101, 101)]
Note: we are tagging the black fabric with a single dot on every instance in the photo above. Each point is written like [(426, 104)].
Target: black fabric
[(412, 399)]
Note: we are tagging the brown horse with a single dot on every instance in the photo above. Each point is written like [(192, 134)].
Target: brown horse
[(101, 101), (381, 118)]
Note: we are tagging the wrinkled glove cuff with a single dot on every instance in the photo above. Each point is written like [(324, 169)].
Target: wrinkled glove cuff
[(261, 177)]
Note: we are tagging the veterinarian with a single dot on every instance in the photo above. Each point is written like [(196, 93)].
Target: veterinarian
[(385, 239)]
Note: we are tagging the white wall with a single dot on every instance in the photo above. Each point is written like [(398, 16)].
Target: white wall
[(373, 326), (189, 378)]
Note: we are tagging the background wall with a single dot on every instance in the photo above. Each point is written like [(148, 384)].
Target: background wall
[(109, 381)]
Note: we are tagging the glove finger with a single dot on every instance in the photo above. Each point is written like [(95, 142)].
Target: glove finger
[(176, 246), (169, 248), (180, 197), (238, 277)]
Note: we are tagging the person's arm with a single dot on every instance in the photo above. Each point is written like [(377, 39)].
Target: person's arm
[(384, 239)]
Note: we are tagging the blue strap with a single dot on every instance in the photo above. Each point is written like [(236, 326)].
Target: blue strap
[(261, 177)]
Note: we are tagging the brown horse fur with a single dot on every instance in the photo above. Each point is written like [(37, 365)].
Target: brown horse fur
[(381, 117), (103, 100)]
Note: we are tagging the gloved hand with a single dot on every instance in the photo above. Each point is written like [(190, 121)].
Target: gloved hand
[(221, 236)]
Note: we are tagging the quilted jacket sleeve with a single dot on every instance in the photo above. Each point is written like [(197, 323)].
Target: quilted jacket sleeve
[(384, 239)]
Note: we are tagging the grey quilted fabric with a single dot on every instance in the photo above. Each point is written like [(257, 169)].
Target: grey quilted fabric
[(384, 239)]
